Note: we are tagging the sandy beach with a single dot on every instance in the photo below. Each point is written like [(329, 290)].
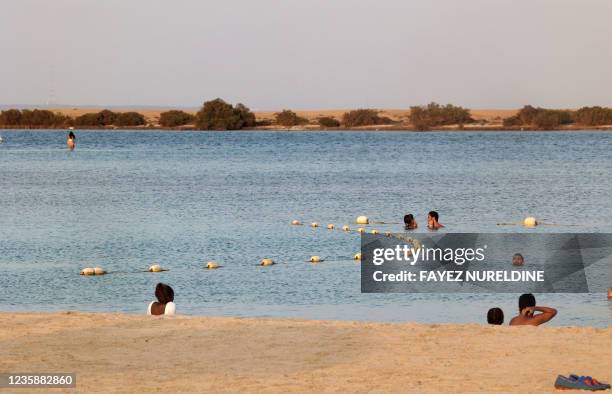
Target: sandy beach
[(129, 353)]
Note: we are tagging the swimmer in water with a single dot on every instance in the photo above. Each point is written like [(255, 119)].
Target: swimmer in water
[(409, 222), (432, 221), (518, 260), (71, 142)]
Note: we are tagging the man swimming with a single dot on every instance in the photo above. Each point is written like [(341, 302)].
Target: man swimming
[(518, 260), (409, 222), (527, 309), (432, 221)]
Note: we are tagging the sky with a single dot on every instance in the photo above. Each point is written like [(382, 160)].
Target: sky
[(315, 54)]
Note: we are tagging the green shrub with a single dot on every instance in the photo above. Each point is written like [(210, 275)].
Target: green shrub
[(33, 118), (433, 114), (593, 116), (328, 121), (175, 118), (130, 119), (10, 117), (97, 119), (363, 117), (219, 115), (288, 118), (540, 118)]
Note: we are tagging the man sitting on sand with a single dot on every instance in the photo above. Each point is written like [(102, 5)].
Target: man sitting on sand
[(432, 221), (527, 309)]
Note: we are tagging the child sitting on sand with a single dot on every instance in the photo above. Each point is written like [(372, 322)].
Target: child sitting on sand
[(527, 309), (165, 301)]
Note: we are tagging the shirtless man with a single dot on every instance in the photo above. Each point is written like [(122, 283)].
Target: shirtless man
[(432, 221), (527, 309)]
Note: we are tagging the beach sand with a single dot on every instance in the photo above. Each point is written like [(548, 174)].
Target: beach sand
[(130, 353)]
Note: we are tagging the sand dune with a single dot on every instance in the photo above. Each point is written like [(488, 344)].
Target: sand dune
[(127, 353)]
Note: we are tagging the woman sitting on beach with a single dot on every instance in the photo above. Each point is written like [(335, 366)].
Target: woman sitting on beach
[(409, 222), (165, 301)]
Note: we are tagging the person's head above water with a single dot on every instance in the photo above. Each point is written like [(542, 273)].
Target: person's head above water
[(526, 301), (164, 293), (518, 259), (495, 316), (432, 220), (409, 221)]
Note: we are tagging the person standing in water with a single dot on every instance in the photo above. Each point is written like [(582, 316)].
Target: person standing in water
[(71, 142)]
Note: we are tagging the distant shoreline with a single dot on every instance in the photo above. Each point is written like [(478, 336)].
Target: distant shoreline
[(485, 120), (297, 129)]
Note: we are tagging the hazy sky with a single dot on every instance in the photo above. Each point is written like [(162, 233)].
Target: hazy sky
[(307, 54)]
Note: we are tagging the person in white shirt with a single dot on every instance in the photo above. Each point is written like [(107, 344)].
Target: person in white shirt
[(165, 301)]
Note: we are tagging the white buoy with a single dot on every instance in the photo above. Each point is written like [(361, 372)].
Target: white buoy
[(88, 271), (346, 228), (211, 265), (315, 259), (530, 221), (357, 257), (331, 226), (266, 262), (314, 224), (155, 268), (362, 220), (296, 222)]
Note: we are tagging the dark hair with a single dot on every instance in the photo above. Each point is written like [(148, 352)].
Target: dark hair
[(526, 301), (71, 136), (164, 293), (408, 219), (495, 316), (434, 215)]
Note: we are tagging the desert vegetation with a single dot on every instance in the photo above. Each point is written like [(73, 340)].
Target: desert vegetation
[(363, 117), (175, 118), (328, 122), (593, 116), (433, 114), (219, 115), (288, 118), (36, 118)]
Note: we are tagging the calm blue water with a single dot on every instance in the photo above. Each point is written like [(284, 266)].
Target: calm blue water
[(124, 200)]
